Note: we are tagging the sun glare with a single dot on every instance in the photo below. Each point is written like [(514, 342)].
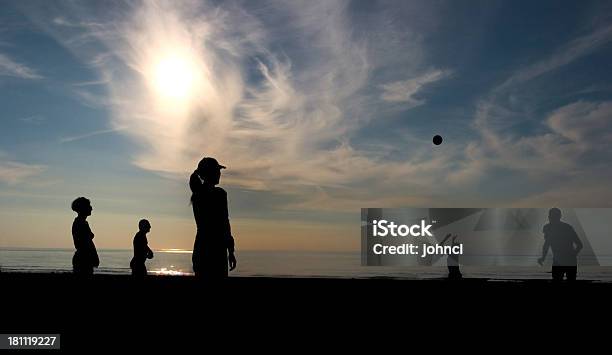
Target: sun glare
[(174, 77)]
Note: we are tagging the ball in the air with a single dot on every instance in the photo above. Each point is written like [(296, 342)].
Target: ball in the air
[(437, 139)]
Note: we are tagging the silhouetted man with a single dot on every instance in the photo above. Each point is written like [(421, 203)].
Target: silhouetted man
[(214, 244), (565, 244), (142, 252)]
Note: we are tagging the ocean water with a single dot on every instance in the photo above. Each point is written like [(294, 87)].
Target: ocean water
[(271, 264)]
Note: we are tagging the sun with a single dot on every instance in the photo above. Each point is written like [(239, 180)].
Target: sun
[(173, 77)]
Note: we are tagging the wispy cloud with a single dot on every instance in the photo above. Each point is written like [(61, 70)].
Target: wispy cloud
[(12, 172), (88, 135), (33, 119), (564, 55), (9, 67), (569, 151), (283, 98), (91, 83), (91, 98), (404, 91), (281, 117)]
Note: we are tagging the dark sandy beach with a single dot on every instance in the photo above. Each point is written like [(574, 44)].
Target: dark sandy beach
[(171, 310)]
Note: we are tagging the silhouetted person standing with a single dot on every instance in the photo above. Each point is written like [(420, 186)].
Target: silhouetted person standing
[(86, 257), (214, 244), (452, 260), (142, 252), (565, 244)]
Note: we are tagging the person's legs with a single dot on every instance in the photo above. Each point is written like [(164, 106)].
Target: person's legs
[(557, 273), (212, 273), (83, 272), (454, 273), (570, 272), (77, 265), (139, 271), (213, 263)]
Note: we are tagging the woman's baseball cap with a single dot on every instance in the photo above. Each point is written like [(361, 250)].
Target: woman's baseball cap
[(208, 164)]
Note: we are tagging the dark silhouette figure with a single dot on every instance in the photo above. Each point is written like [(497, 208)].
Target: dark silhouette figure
[(452, 260), (86, 257), (142, 252), (565, 244), (214, 244)]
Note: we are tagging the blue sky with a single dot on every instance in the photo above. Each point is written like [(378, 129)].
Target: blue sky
[(317, 108)]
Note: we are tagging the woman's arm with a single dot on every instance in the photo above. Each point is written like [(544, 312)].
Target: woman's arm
[(229, 239)]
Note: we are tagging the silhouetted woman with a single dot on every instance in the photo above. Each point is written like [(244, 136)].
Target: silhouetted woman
[(86, 257), (214, 244)]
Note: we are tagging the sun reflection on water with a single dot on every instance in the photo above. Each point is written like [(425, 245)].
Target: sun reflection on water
[(177, 251), (169, 272)]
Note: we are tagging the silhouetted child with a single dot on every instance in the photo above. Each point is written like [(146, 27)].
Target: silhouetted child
[(142, 252), (86, 257)]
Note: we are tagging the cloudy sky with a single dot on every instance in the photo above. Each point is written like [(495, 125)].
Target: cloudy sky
[(317, 108)]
